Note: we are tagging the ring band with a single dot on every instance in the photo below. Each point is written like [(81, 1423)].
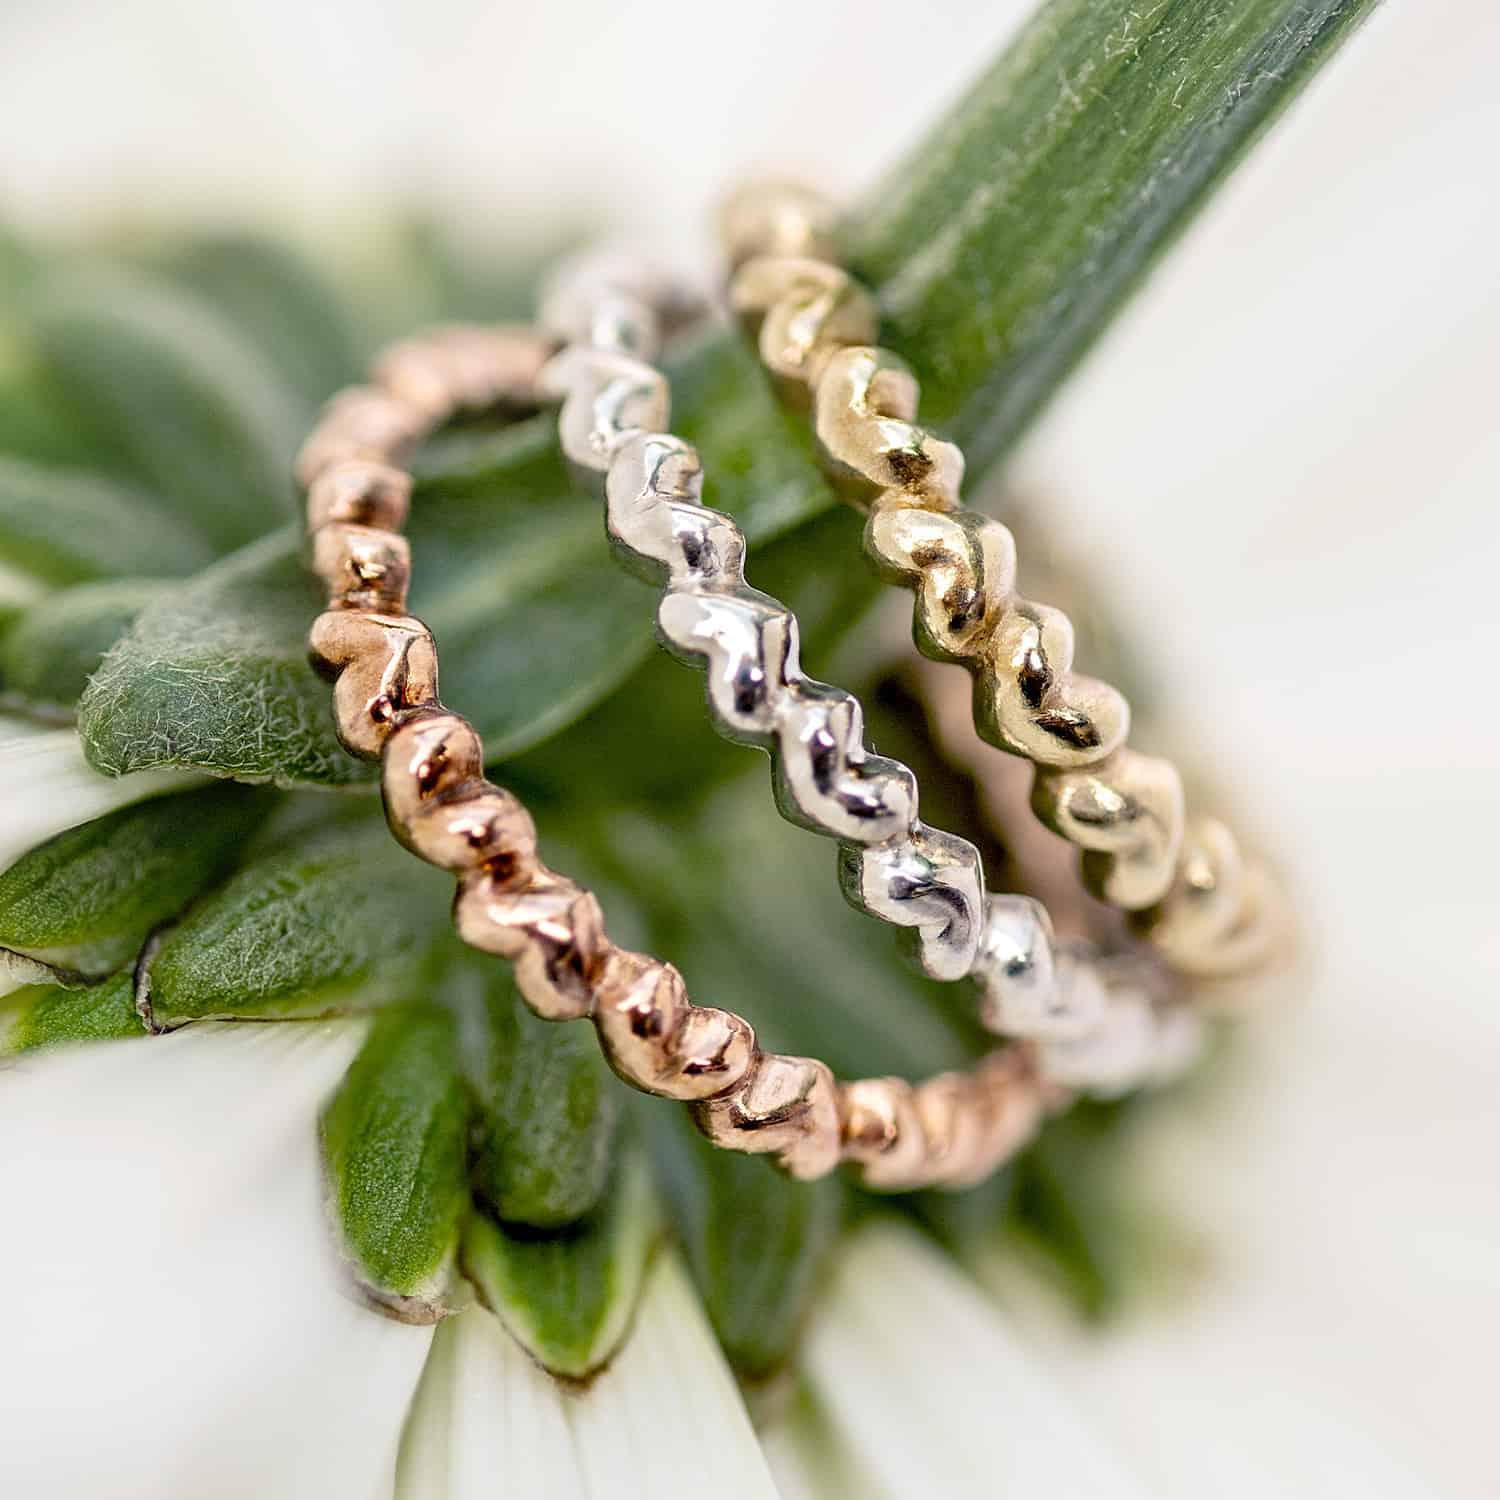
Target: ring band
[(950, 1130), (1206, 908)]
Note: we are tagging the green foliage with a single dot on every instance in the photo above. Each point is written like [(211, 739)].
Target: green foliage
[(756, 1242), (535, 620), (85, 900), (65, 526), (283, 305), (334, 917), (568, 1295), (548, 1111), (1039, 203), (199, 415), (214, 676), (42, 1015), (393, 1143)]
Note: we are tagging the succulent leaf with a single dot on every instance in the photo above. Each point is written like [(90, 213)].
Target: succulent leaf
[(85, 901), (62, 526), (334, 918), (393, 1144), (757, 1243), (548, 1112), (567, 1296), (50, 649), (42, 1015), (1007, 240)]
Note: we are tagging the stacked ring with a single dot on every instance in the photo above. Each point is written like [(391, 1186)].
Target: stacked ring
[(1088, 1033), (950, 1130)]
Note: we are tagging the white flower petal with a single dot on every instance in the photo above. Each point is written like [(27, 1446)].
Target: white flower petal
[(925, 1391), (664, 1421), (47, 786), (487, 1420), (178, 1325)]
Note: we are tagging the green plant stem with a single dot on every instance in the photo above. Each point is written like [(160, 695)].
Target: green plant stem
[(1009, 237)]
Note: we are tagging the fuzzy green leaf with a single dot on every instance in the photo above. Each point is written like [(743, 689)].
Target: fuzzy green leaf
[(45, 1016), (333, 918), (203, 420), (393, 1142), (547, 1117), (85, 901), (63, 526), (214, 676), (51, 648), (568, 1296), (756, 1242), (1007, 239)]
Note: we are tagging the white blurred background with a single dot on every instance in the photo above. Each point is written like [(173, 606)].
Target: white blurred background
[(1286, 456)]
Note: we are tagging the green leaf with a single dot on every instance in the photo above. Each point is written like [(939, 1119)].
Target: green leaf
[(201, 417), (1007, 239), (32, 424), (549, 1107), (214, 676), (568, 1296), (757, 1243), (50, 649), (280, 303), (65, 526), (85, 901), (45, 1016), (336, 917), (393, 1142)]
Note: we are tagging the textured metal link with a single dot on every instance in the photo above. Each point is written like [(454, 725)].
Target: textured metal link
[(1206, 909)]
